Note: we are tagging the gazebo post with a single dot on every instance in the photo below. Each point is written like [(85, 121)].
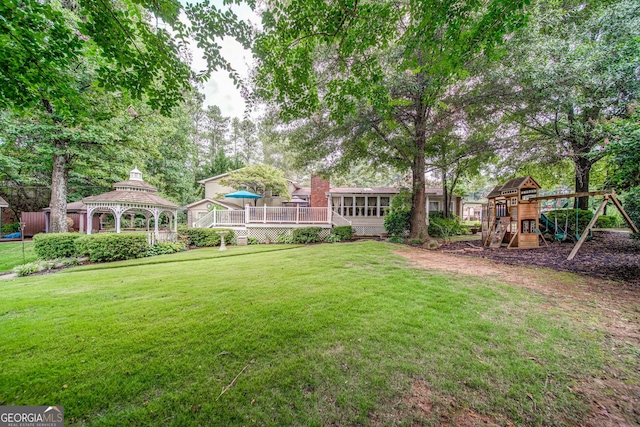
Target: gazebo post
[(146, 217), (156, 217), (175, 222)]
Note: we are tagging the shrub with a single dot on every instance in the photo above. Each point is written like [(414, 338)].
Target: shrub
[(26, 269), (445, 227), (416, 242), (343, 232), (201, 237), (606, 221), (113, 246), (306, 235), (55, 245), (397, 223), (284, 238), (166, 248), (632, 207), (10, 228), (396, 239), (332, 238), (253, 241)]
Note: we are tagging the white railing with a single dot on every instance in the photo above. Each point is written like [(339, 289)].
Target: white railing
[(229, 218), (206, 221), (338, 219), (220, 217), (297, 215), (264, 215)]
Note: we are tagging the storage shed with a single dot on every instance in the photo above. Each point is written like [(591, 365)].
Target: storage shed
[(510, 217)]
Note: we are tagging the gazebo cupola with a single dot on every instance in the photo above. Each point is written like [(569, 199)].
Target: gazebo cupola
[(131, 196)]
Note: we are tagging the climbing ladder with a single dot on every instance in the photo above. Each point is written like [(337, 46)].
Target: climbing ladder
[(496, 237)]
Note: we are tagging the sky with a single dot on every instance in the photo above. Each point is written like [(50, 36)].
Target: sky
[(219, 89)]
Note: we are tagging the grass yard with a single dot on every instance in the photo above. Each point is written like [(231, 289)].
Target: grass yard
[(344, 334), (11, 254)]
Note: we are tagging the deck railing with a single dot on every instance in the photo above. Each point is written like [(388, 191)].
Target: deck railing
[(263, 215), (297, 215)]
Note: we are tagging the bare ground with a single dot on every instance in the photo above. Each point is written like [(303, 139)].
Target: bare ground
[(614, 396)]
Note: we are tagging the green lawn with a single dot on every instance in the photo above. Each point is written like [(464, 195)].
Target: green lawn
[(11, 255), (317, 335)]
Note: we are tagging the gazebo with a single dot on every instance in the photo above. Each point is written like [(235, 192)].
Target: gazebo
[(132, 196)]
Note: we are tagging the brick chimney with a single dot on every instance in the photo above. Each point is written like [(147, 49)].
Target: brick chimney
[(319, 187)]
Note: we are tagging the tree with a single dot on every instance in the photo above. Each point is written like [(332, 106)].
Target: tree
[(623, 148), (245, 142), (258, 179), (571, 70), (346, 57), (72, 65)]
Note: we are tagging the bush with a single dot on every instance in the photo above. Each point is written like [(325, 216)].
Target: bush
[(332, 238), (396, 239), (445, 227), (397, 223), (113, 246), (41, 265), (166, 248), (606, 221), (343, 232), (201, 237), (55, 245), (306, 235), (284, 238), (419, 242), (632, 207), (10, 228), (252, 241), (27, 269)]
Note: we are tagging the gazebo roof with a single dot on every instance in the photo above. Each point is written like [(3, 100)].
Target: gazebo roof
[(3, 203), (132, 191)]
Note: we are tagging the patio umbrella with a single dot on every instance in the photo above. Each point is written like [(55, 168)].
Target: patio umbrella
[(243, 194)]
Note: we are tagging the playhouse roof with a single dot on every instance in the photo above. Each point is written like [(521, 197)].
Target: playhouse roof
[(513, 184)]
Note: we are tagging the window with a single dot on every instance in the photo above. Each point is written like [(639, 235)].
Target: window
[(384, 205), (434, 206), (359, 206), (372, 206), (528, 226)]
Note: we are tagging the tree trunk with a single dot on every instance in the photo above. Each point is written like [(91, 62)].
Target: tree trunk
[(583, 168), (59, 179), (418, 199)]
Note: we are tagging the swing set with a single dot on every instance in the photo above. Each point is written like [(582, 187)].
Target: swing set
[(512, 216), (607, 196)]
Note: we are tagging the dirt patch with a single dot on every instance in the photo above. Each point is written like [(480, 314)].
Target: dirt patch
[(611, 306)]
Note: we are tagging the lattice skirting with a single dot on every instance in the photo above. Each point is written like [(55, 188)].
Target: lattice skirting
[(368, 230), (271, 233)]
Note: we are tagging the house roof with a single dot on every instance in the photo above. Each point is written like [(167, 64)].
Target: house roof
[(302, 191), (363, 190), (230, 206), (3, 203)]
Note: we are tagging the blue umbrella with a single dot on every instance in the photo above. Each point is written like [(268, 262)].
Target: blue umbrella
[(243, 194)]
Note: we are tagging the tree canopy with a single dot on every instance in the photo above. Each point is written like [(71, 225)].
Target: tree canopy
[(384, 65)]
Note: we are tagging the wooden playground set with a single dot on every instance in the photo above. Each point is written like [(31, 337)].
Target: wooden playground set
[(513, 215)]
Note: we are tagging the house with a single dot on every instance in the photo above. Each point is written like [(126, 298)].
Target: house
[(320, 205)]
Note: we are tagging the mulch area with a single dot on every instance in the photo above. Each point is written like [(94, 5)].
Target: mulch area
[(610, 255)]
